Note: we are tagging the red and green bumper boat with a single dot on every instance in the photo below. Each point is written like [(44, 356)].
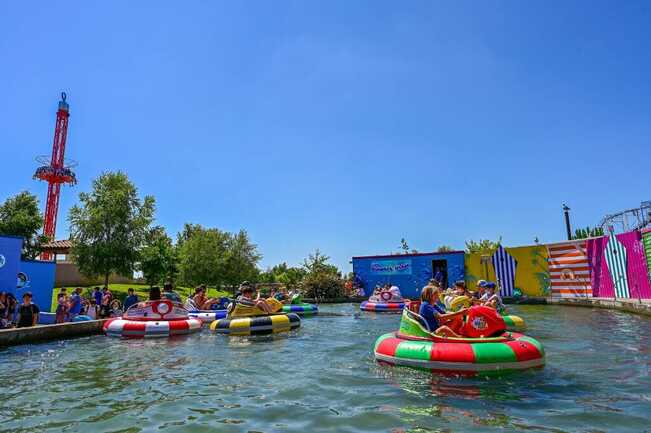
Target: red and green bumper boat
[(413, 345)]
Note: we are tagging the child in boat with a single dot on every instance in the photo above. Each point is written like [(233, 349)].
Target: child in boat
[(201, 301), (434, 315), (480, 290), (247, 298), (493, 298)]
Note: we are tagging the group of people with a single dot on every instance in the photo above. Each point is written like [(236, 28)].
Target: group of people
[(13, 314), (387, 292), (99, 305), (246, 295), (435, 304)]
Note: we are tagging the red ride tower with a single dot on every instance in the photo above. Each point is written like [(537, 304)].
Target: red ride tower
[(55, 172)]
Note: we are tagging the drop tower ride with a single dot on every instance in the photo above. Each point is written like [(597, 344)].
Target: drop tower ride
[(56, 172)]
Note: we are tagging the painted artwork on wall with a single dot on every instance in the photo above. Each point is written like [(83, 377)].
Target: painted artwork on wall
[(530, 269), (505, 266), (619, 266), (646, 240), (569, 270)]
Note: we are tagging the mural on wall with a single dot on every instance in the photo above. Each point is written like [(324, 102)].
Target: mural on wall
[(19, 276), (505, 266), (619, 266), (569, 270), (409, 272), (391, 267), (646, 238), (530, 270), (615, 254)]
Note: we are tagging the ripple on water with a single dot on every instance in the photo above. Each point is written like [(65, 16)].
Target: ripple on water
[(322, 377)]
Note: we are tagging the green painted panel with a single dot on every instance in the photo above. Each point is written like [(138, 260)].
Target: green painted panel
[(647, 248), (487, 353), (414, 350)]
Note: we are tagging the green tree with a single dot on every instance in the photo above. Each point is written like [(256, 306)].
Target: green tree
[(282, 273), (241, 260), (202, 256), (188, 230), (292, 277), (318, 263), (483, 246), (444, 249), (588, 232), (158, 257), (321, 279), (20, 216), (109, 226)]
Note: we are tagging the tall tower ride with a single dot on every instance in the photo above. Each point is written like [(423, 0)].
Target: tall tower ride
[(55, 172)]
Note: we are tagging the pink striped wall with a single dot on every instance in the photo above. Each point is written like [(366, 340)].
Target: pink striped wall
[(636, 269)]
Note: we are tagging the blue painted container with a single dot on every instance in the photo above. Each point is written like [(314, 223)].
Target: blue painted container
[(410, 272)]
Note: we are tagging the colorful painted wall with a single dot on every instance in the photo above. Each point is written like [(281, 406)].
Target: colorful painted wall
[(19, 276), (600, 267), (619, 267), (523, 268), (410, 272)]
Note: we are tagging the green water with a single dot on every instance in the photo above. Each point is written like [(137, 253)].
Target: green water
[(323, 378)]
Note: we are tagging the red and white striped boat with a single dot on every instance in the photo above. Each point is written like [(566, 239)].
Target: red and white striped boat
[(153, 319)]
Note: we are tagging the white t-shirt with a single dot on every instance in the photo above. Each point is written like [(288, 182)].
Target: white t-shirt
[(92, 312)]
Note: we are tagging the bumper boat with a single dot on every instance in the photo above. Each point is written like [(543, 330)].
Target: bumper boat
[(208, 316), (299, 307), (246, 320), (512, 322), (388, 301), (413, 345), (217, 311), (151, 319), (302, 309)]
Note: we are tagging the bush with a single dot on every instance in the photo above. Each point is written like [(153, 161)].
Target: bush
[(322, 285)]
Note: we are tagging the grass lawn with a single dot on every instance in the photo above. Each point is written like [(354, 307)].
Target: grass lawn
[(142, 290)]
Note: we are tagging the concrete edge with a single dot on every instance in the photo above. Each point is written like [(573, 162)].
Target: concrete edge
[(629, 306), (17, 336)]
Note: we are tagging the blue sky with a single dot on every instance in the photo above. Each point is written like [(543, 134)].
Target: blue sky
[(339, 125)]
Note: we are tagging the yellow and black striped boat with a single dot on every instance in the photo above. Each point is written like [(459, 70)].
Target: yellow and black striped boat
[(245, 320), (257, 325)]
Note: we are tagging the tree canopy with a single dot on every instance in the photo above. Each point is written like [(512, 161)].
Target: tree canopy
[(20, 216), (282, 273), (321, 280), (588, 232), (158, 257), (483, 246), (215, 257), (109, 226)]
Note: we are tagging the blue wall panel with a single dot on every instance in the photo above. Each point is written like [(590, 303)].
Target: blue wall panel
[(18, 276), (410, 272), (9, 262), (39, 279)]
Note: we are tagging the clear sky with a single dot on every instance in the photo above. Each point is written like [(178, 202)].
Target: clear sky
[(339, 125)]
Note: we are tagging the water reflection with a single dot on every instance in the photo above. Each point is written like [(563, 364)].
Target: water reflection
[(323, 378)]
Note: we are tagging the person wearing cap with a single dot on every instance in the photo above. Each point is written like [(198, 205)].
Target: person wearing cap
[(27, 312), (480, 291), (246, 298), (493, 298)]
